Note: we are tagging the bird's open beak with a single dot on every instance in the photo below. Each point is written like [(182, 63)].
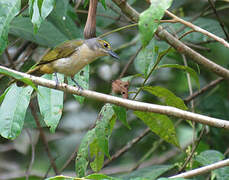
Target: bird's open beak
[(113, 54)]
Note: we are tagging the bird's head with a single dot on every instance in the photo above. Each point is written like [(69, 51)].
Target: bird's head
[(101, 47)]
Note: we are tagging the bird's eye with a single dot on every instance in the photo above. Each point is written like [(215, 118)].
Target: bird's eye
[(105, 45)]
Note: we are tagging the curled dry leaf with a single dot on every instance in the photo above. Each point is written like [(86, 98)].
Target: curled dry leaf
[(119, 86)]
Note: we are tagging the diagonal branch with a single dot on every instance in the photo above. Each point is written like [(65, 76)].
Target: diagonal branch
[(203, 170), (130, 104), (198, 29), (178, 45)]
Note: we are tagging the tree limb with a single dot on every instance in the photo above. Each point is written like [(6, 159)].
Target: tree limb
[(130, 104)]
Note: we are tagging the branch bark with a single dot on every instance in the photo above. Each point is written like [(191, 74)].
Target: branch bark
[(130, 104)]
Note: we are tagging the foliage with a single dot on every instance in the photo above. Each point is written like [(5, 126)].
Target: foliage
[(86, 130)]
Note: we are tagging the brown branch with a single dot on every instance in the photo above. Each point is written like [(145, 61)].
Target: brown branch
[(23, 9), (126, 147), (42, 134), (130, 104), (219, 19), (204, 89)]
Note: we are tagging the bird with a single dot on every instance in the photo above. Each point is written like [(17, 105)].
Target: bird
[(70, 57)]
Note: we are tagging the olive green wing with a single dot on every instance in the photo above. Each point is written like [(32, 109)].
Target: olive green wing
[(63, 50)]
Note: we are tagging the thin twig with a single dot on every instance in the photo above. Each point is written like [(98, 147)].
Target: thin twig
[(27, 173), (73, 155), (126, 147), (193, 150), (198, 29), (204, 89), (131, 60), (23, 9), (219, 19), (52, 162), (118, 29)]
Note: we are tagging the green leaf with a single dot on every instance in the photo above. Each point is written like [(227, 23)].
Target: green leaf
[(97, 140), (13, 110), (97, 155), (82, 161), (51, 103), (184, 68), (212, 156), (104, 126), (101, 177), (149, 19), (82, 78), (61, 19), (169, 98), (146, 58), (47, 7), (121, 114), (19, 77), (209, 157), (47, 35), (152, 172), (160, 125), (8, 10)]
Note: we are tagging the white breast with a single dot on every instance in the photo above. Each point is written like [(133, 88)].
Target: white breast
[(73, 64)]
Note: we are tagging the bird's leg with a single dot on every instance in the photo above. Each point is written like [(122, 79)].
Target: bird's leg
[(72, 78), (56, 78)]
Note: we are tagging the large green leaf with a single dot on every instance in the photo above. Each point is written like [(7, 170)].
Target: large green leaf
[(149, 19), (184, 68), (82, 78), (8, 10), (47, 35), (13, 110), (51, 103), (97, 140), (169, 98), (97, 155), (209, 157), (61, 19), (146, 58), (104, 126), (212, 156), (82, 161), (148, 173), (160, 125)]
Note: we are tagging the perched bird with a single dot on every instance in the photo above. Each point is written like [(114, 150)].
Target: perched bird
[(70, 57)]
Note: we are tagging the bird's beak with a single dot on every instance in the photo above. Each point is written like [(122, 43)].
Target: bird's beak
[(113, 54)]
